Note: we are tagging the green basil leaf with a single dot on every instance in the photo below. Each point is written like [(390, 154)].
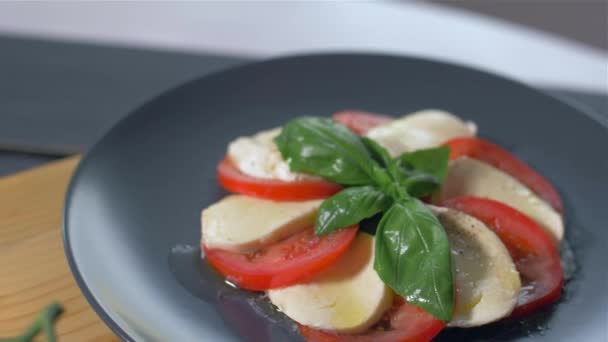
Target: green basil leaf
[(349, 207), (433, 161), (424, 170), (420, 184), (325, 148), (382, 157), (378, 152), (413, 257)]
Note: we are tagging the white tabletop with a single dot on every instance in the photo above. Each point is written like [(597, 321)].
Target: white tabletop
[(264, 29)]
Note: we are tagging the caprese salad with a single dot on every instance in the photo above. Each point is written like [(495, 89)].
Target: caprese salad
[(468, 234)]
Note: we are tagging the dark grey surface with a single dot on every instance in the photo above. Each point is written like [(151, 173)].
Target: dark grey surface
[(11, 162), (596, 105), (66, 95), (54, 93), (138, 193)]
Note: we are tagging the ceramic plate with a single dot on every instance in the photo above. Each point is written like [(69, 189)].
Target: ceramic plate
[(132, 211)]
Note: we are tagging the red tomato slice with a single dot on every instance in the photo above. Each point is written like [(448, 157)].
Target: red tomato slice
[(403, 323), (502, 159), (232, 179), (359, 121), (284, 263), (532, 249)]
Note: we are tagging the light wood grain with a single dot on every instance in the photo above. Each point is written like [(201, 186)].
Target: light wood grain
[(33, 268)]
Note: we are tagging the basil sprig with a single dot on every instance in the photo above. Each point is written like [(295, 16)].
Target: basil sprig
[(412, 254)]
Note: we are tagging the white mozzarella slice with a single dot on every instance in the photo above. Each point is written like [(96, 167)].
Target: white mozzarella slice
[(423, 129), (467, 176), (486, 281), (258, 156), (347, 297), (243, 223)]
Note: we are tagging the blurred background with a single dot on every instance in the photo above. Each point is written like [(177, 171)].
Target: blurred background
[(583, 21), (70, 70)]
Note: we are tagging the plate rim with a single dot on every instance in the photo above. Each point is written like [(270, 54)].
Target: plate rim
[(136, 112)]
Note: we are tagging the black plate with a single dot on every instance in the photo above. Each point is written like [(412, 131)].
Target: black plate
[(132, 210)]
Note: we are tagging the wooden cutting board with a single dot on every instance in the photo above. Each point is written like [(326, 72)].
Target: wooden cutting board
[(33, 268)]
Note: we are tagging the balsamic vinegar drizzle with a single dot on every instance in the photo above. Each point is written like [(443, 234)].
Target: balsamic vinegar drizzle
[(249, 314)]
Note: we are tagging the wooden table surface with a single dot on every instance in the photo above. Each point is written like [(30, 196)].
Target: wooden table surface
[(33, 268)]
